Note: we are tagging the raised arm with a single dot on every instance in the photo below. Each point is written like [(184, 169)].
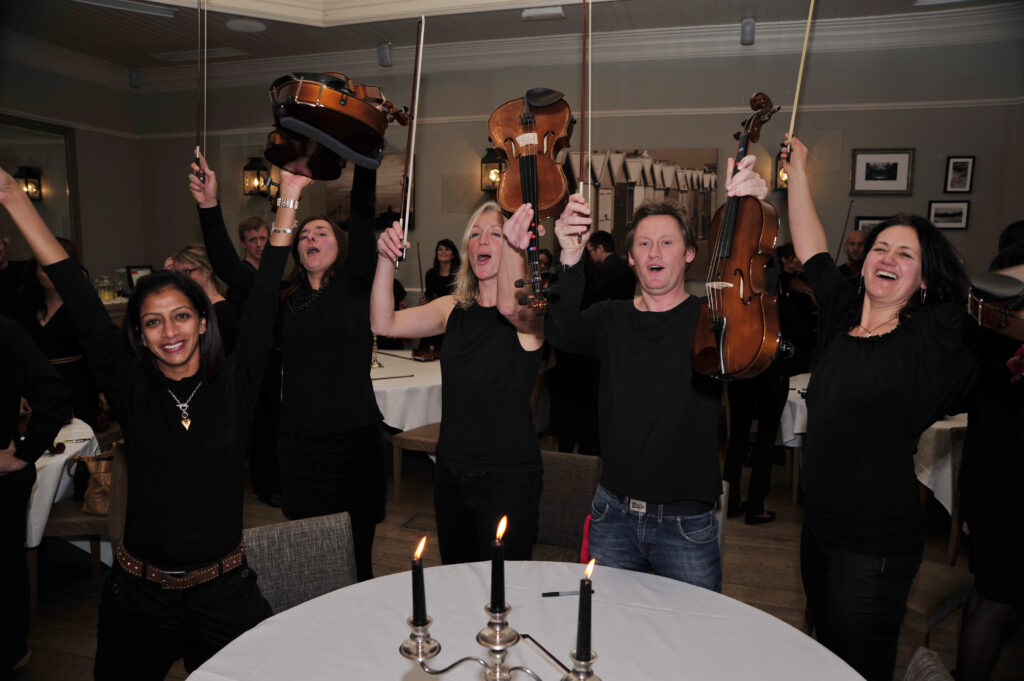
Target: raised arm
[(512, 267), (804, 226), (226, 263), (361, 258), (413, 322), (565, 327), (42, 242)]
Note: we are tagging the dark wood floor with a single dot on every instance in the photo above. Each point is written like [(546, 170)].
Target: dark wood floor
[(760, 568)]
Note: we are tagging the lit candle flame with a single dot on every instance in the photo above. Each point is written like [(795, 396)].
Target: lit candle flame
[(419, 549), (501, 526), (590, 567)]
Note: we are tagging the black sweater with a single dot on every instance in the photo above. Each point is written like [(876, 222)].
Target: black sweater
[(25, 372), (658, 419), (184, 486), (868, 401)]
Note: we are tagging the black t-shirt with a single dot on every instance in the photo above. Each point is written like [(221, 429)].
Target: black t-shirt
[(184, 486), (658, 418), (868, 401), (487, 380), (615, 279), (437, 285)]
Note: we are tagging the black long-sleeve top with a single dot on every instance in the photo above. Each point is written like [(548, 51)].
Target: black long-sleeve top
[(327, 348), (658, 418), (868, 401), (184, 486), (237, 273), (25, 372)]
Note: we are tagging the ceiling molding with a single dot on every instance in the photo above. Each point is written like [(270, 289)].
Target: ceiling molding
[(925, 105), (997, 23)]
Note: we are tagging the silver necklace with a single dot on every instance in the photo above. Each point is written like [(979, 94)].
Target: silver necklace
[(183, 406), (868, 332)]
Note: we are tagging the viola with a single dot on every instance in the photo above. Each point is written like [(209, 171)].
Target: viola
[(737, 333), (997, 303), (530, 135), (323, 119)]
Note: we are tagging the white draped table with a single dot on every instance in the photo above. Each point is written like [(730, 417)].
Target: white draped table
[(644, 627), (408, 392), (52, 480)]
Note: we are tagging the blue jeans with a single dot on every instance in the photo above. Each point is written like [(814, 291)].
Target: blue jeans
[(683, 547)]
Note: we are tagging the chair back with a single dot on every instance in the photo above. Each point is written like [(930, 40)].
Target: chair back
[(299, 560), (565, 501), (926, 665)]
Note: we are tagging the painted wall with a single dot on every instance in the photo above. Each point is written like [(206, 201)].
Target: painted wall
[(960, 100)]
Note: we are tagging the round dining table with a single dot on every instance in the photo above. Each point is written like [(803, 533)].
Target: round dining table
[(408, 392), (53, 480), (644, 627)]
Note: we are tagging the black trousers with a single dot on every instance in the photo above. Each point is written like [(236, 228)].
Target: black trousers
[(331, 474), (764, 395), (144, 628), (15, 489), (469, 506), (858, 602), (263, 468)]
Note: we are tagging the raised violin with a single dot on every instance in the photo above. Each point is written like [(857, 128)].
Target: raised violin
[(996, 302), (530, 134), (737, 333), (323, 119)]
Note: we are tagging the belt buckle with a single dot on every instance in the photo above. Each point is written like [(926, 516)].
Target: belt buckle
[(173, 574), (638, 506)]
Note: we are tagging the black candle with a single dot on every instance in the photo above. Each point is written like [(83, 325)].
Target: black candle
[(498, 569), (583, 621), (419, 596)]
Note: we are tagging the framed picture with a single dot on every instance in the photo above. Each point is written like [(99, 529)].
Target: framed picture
[(881, 171), (864, 223), (959, 174), (136, 272), (949, 214)]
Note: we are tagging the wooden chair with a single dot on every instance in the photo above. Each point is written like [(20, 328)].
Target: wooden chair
[(565, 501), (422, 439), (68, 521), (926, 665), (299, 560), (937, 592)]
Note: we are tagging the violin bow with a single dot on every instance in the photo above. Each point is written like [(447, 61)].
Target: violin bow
[(410, 144), (585, 105), (800, 73), (201, 28)]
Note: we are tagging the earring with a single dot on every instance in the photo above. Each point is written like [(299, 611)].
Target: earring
[(924, 295)]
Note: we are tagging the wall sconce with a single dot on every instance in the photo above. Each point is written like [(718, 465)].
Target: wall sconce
[(491, 166), (254, 177), (780, 180), (31, 181)]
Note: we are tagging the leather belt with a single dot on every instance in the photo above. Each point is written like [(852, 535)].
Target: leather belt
[(179, 579)]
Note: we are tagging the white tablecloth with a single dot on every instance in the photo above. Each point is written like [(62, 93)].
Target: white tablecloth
[(408, 392), (644, 627), (794, 415), (52, 481)]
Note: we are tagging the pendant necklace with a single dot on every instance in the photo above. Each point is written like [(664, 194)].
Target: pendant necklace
[(869, 332), (183, 406)]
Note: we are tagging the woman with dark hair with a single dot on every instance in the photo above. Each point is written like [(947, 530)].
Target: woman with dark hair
[(329, 445), (439, 281), (41, 311), (894, 355), (180, 586), (488, 460)]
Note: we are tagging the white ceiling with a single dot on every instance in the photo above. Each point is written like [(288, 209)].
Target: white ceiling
[(129, 40)]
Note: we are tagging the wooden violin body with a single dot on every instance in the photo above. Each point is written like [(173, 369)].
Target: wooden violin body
[(532, 151), (737, 333), (322, 118), (997, 303)]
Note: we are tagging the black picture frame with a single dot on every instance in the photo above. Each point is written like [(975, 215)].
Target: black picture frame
[(882, 171), (949, 214), (959, 174), (864, 223), (136, 272)]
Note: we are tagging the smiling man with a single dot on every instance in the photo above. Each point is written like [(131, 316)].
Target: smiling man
[(655, 506)]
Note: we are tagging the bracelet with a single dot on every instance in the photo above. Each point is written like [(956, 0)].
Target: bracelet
[(274, 229), (288, 203)]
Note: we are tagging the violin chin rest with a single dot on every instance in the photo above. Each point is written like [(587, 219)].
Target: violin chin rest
[(540, 97), (997, 285), (332, 143)]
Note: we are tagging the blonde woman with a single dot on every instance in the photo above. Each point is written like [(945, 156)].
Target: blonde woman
[(488, 460), (193, 262)]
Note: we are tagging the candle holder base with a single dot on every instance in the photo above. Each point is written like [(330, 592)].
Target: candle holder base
[(419, 646), (498, 635), (582, 670)]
